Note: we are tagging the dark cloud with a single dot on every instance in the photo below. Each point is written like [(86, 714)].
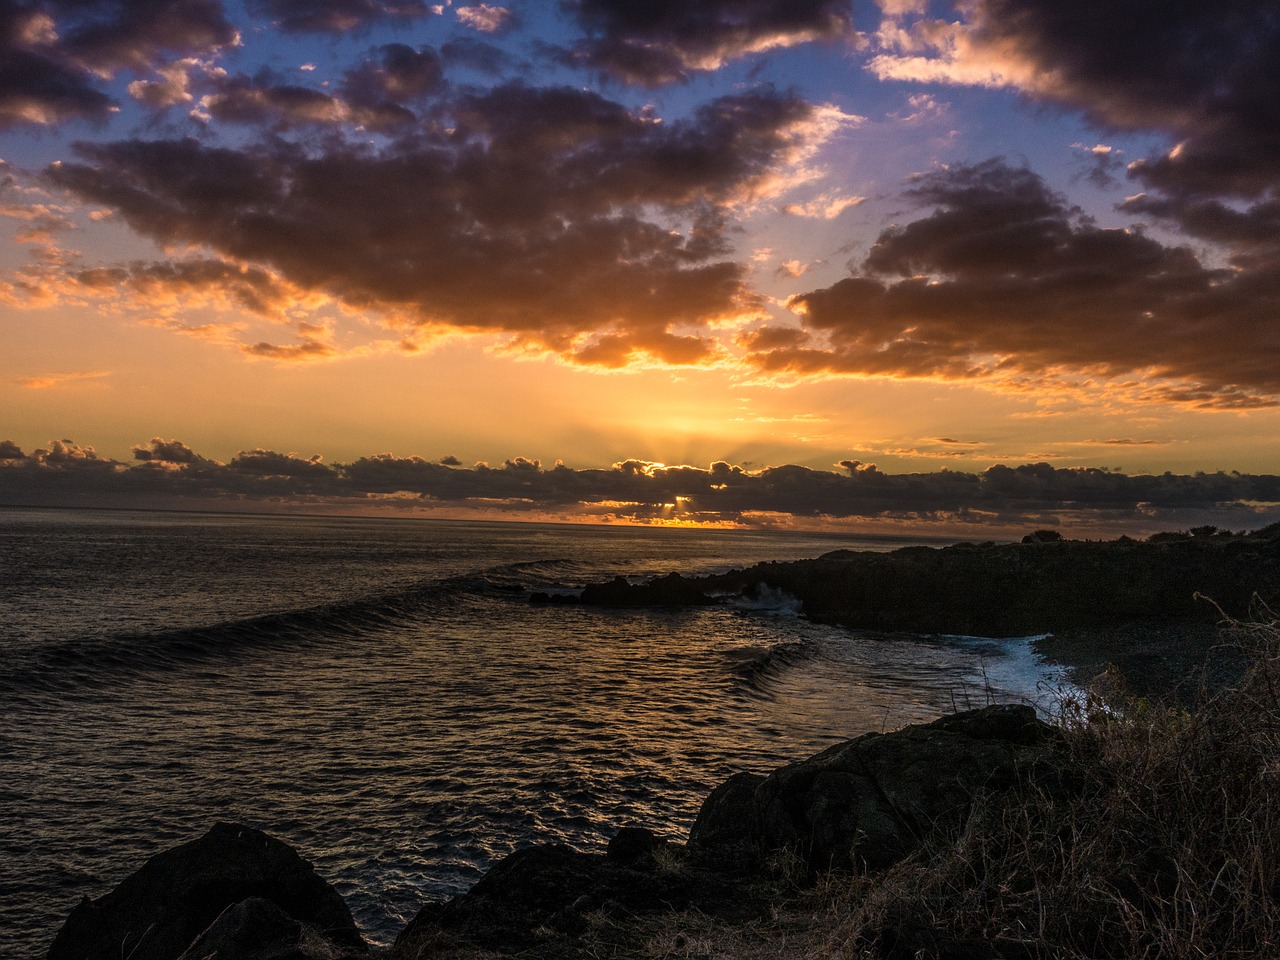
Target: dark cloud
[(371, 96), (41, 90), (395, 73), (110, 35), (335, 16), (1207, 73), (245, 100), (659, 42), (1005, 279), (546, 213), (53, 55), (166, 451), (476, 54), (636, 489), (155, 284)]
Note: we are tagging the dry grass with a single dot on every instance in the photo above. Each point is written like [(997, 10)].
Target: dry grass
[(1163, 842)]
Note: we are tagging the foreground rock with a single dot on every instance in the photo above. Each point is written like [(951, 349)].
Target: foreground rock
[(157, 912), (544, 899), (870, 802)]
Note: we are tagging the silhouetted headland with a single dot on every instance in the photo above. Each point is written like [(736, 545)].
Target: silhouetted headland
[(1150, 607)]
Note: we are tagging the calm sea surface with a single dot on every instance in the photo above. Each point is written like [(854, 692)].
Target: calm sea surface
[(381, 695)]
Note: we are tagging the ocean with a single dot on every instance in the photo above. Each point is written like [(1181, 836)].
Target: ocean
[(380, 694)]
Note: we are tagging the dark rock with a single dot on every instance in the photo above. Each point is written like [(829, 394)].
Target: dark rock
[(550, 893), (1011, 589), (724, 832), (542, 597), (634, 845), (672, 590), (869, 802), (157, 912), (256, 929)]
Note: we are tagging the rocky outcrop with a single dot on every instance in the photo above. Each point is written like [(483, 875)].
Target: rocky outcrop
[(991, 589), (157, 912), (869, 802), (671, 590)]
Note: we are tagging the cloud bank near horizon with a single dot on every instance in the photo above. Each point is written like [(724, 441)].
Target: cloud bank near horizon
[(170, 474)]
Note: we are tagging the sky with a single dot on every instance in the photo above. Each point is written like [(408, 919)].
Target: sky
[(980, 266)]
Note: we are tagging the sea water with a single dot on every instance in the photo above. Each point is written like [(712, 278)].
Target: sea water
[(381, 694)]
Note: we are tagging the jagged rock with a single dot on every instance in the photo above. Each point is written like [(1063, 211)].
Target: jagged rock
[(668, 591), (869, 802), (541, 597), (158, 911), (256, 929)]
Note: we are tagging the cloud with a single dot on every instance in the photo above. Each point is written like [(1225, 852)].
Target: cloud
[(308, 348), (477, 54), (336, 16), (49, 381), (1204, 73), (553, 216), (54, 56), (166, 451), (246, 100), (1100, 164), (1004, 282), (372, 95), (825, 207), (396, 73), (484, 17), (170, 471), (654, 44), (179, 285)]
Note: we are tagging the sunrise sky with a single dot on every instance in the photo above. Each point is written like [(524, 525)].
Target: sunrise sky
[(884, 264)]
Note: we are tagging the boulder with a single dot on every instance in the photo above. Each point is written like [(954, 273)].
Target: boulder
[(550, 894), (869, 802), (157, 912), (256, 929), (724, 832)]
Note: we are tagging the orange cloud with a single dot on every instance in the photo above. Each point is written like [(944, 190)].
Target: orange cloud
[(50, 381)]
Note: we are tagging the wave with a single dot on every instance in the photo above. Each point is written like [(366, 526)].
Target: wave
[(754, 668), (763, 598), (122, 657), (554, 573)]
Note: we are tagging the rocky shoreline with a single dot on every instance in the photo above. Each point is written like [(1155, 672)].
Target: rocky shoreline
[(1152, 609), (863, 805), (856, 809)]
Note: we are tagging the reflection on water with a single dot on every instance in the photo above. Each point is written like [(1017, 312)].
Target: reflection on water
[(407, 728)]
